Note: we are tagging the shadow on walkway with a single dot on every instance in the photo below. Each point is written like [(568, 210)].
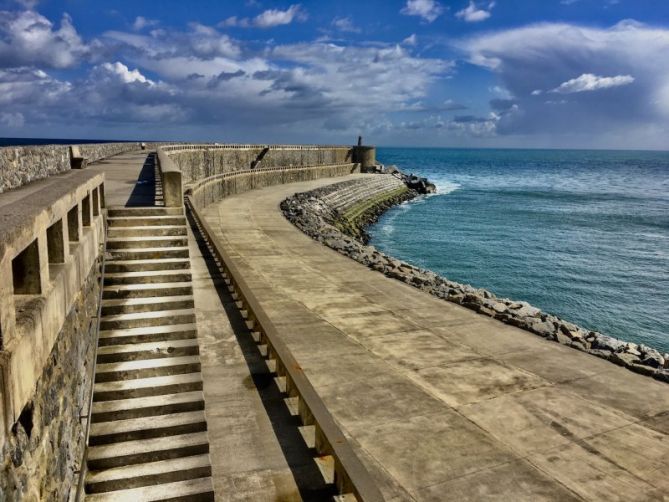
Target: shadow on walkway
[(144, 192), (299, 457)]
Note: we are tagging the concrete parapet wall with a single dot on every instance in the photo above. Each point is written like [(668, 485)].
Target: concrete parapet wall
[(215, 188), (203, 161), (21, 165), (50, 236)]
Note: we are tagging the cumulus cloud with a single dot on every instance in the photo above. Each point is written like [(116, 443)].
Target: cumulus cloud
[(141, 22), (474, 14), (269, 18), (28, 38), (535, 58), (123, 73), (590, 82), (345, 24), (410, 40), (429, 10)]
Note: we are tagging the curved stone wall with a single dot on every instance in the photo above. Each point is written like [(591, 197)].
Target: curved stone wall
[(203, 161), (320, 214)]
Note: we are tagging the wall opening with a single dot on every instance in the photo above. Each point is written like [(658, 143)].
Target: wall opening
[(25, 271), (96, 202), (86, 211), (73, 224), (55, 243)]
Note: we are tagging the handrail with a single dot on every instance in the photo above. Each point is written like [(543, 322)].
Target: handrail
[(84, 456), (351, 476)]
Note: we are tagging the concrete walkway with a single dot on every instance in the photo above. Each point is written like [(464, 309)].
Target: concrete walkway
[(129, 179), (441, 403)]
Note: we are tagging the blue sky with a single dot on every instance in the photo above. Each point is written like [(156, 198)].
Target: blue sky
[(457, 73)]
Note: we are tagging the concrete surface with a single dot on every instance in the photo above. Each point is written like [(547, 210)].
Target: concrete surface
[(413, 381), (129, 179)]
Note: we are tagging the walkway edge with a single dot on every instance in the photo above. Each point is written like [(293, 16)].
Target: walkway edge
[(351, 476)]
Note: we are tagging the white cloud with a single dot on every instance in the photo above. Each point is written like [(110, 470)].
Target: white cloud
[(269, 18), (141, 22), (530, 60), (474, 14), (410, 40), (123, 73), (345, 24), (429, 10), (590, 82), (28, 38)]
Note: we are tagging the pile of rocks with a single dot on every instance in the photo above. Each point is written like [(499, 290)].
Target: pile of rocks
[(318, 219)]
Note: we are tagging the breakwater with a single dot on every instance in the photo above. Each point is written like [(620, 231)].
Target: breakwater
[(321, 215)]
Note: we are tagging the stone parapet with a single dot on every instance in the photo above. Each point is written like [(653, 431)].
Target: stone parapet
[(50, 236), (199, 161), (23, 164)]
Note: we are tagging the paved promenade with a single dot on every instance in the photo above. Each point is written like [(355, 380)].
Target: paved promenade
[(129, 179), (441, 403)]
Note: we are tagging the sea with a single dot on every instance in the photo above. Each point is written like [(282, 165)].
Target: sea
[(580, 234)]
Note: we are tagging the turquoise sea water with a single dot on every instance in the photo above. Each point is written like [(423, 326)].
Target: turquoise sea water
[(581, 234)]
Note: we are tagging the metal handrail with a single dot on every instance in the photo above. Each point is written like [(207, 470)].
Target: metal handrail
[(351, 476), (87, 417)]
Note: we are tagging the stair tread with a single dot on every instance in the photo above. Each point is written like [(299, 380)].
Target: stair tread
[(147, 346), (145, 286), (146, 250), (147, 261), (146, 402), (146, 273), (152, 493), (140, 446), (146, 423), (147, 227), (158, 314), (148, 469), (144, 238), (149, 382), (141, 364), (156, 217), (151, 300), (147, 330)]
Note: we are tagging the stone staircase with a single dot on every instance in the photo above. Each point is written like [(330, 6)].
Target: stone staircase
[(148, 436)]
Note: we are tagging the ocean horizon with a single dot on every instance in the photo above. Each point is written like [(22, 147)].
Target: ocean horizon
[(583, 234)]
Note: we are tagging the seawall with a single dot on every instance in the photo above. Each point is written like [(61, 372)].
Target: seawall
[(323, 214)]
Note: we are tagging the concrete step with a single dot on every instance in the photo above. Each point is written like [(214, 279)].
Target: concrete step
[(146, 241), (145, 221), (148, 334), (149, 290), (148, 253), (133, 305), (152, 276), (149, 406), (192, 490), (144, 368), (144, 319), (147, 450), (149, 350), (151, 473), (163, 230), (134, 429), (116, 212), (145, 265), (143, 387)]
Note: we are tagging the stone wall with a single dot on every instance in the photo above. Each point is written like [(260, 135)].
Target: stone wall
[(218, 187), (43, 449), (202, 162), (23, 164), (321, 215)]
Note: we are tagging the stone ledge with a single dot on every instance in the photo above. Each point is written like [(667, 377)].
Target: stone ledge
[(320, 221)]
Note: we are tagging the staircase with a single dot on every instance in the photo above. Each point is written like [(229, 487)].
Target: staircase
[(148, 436)]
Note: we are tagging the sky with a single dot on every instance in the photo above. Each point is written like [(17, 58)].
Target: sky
[(450, 73)]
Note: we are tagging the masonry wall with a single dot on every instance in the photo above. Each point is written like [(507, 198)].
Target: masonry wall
[(42, 451), (21, 165), (202, 163)]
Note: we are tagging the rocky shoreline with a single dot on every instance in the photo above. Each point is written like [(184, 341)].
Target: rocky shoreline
[(320, 221)]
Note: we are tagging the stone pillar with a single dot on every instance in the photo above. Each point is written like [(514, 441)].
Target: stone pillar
[(365, 156)]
